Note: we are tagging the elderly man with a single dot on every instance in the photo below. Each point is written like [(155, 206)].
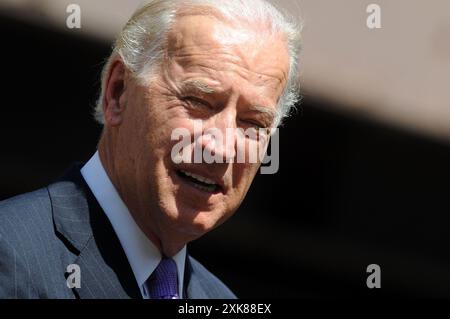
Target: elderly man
[(118, 226)]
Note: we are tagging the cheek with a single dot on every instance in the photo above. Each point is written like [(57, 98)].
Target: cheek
[(157, 131), (243, 175), (250, 175)]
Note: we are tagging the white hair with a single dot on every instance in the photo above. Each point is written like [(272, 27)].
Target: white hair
[(142, 42)]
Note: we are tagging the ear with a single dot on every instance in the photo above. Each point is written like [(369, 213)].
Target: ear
[(114, 100)]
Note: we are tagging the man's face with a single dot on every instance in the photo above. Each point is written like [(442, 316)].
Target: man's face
[(224, 77)]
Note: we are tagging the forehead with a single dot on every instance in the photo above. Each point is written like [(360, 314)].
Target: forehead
[(206, 42)]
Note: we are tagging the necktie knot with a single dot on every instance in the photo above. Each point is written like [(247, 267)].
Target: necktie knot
[(163, 282)]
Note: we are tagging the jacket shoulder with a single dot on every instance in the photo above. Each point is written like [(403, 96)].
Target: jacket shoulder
[(27, 210), (31, 263)]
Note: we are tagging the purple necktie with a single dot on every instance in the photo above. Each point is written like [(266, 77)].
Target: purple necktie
[(163, 282)]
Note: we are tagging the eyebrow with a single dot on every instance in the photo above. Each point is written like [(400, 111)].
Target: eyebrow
[(205, 88), (265, 110), (199, 86)]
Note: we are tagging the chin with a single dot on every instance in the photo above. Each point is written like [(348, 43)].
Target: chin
[(189, 212), (192, 222)]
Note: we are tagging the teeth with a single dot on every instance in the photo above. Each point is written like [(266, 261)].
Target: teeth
[(200, 178)]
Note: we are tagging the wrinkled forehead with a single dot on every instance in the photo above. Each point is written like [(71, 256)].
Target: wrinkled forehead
[(207, 37), (248, 27)]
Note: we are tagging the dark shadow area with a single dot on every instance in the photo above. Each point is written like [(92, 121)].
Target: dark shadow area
[(349, 192)]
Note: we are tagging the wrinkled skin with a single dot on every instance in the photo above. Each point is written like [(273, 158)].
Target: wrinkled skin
[(241, 69)]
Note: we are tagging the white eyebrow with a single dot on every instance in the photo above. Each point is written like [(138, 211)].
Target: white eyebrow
[(199, 85), (266, 110), (205, 88)]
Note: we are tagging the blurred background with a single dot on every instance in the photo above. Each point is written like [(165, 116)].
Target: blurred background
[(364, 164)]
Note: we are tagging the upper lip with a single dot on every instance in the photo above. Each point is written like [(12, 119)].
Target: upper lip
[(215, 178)]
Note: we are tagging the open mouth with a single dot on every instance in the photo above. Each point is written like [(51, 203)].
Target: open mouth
[(199, 182)]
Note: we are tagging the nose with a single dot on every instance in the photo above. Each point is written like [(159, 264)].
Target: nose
[(219, 136)]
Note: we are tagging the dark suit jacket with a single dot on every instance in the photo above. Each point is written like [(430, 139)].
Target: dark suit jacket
[(44, 231)]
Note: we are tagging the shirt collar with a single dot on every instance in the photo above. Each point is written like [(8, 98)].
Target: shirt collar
[(141, 253)]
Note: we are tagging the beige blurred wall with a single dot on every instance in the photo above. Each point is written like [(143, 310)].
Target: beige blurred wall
[(399, 74)]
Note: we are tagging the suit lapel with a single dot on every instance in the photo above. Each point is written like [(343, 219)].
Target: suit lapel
[(86, 230), (193, 286)]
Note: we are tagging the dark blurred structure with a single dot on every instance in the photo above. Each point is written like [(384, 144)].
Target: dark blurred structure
[(349, 192)]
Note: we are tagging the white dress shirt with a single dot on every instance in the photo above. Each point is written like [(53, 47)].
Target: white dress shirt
[(141, 253)]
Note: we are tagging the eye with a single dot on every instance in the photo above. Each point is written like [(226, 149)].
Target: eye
[(197, 102), (254, 124)]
